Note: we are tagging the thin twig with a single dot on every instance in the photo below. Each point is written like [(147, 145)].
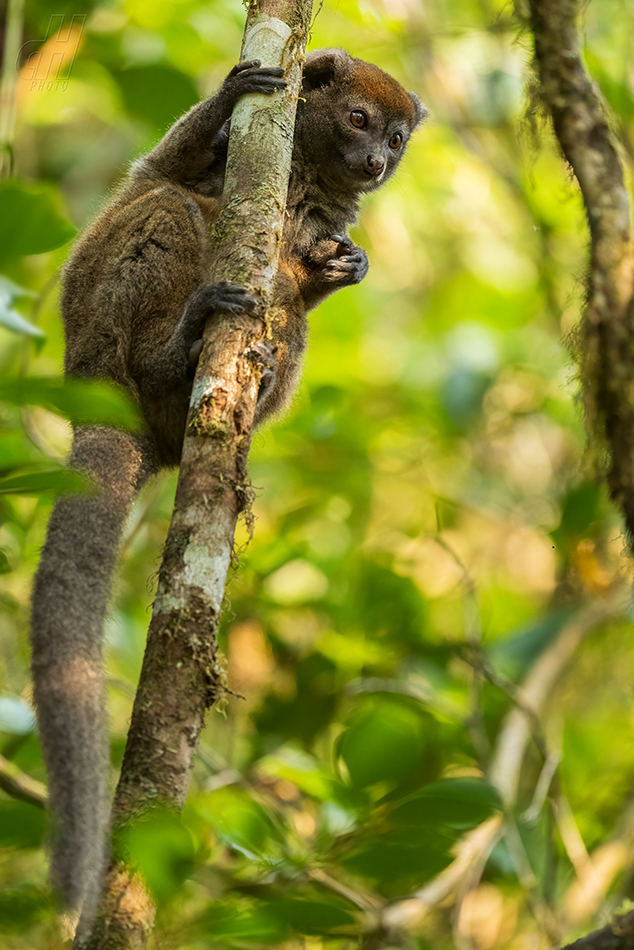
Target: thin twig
[(21, 786), (542, 788)]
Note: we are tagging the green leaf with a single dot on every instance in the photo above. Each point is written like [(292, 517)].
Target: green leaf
[(161, 848), (520, 649), (12, 320), (312, 917), (9, 317), (302, 769), (31, 221), (260, 925), (55, 480), (396, 861), (159, 94), (22, 907), (15, 451), (384, 743), (456, 802), (84, 402), (240, 821), (21, 825)]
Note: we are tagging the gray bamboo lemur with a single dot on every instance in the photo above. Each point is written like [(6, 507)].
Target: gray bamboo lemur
[(136, 297)]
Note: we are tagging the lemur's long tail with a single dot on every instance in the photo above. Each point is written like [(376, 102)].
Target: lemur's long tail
[(70, 597)]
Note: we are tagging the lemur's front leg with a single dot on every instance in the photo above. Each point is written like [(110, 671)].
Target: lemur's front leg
[(333, 263)]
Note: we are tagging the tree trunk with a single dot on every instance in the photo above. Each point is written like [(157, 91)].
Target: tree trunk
[(604, 344), (181, 675)]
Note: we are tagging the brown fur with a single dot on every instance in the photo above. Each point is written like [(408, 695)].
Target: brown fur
[(135, 300)]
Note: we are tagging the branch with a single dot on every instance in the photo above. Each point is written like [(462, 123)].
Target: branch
[(586, 894), (604, 347), (18, 785), (618, 935), (9, 83), (181, 675)]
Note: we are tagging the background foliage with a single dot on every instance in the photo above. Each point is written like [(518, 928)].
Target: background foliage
[(427, 528)]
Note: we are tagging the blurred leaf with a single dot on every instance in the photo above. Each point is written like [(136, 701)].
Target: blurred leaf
[(302, 769), (15, 451), (583, 506), (303, 714), (459, 803), (389, 604), (158, 94), (462, 394), (240, 821), (261, 925), (30, 220), (9, 317), (395, 862), (96, 402), (56, 481), (384, 742), (21, 825), (16, 716), (520, 649), (273, 920), (161, 848), (12, 320), (21, 907), (312, 917), (296, 582)]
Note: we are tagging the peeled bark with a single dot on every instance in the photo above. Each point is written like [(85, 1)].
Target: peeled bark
[(181, 675)]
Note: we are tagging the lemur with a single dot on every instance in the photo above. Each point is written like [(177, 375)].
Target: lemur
[(136, 297)]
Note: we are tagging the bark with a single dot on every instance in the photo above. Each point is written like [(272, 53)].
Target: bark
[(604, 347), (181, 675), (617, 935)]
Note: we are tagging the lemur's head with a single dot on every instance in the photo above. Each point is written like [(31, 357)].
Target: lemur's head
[(355, 120)]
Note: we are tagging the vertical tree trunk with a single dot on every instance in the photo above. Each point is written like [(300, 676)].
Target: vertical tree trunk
[(604, 346), (181, 677)]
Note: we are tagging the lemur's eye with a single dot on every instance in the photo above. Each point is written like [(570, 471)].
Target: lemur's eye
[(396, 141), (358, 119)]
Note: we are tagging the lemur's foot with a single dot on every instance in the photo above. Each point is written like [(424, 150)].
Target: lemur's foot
[(264, 354), (205, 299)]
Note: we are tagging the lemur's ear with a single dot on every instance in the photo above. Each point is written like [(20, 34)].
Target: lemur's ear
[(323, 65), (421, 112)]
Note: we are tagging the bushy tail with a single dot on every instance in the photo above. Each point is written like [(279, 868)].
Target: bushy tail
[(70, 598)]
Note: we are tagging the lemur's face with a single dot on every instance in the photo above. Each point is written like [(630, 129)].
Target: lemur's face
[(357, 120)]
